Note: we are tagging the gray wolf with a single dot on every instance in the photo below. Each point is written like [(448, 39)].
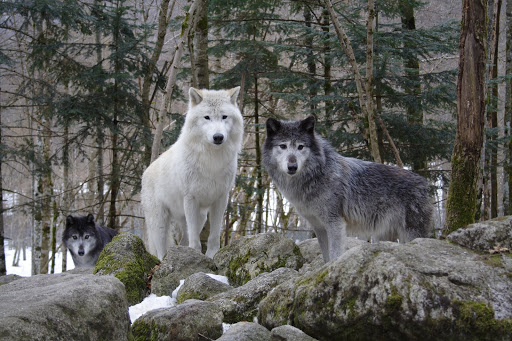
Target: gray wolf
[(339, 195), (85, 239), (194, 176)]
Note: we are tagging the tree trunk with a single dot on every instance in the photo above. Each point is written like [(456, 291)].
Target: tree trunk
[(327, 62), (508, 112), (461, 205), (100, 135), (115, 175), (67, 191), (364, 88), (492, 118), (200, 68), (412, 75), (260, 192), (46, 199), (310, 58), (3, 268), (190, 22), (163, 20), (370, 104)]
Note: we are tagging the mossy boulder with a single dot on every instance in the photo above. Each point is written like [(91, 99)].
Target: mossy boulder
[(246, 331), (246, 258), (289, 333), (200, 286), (178, 263), (424, 290), (241, 304), (192, 320), (494, 234), (126, 258)]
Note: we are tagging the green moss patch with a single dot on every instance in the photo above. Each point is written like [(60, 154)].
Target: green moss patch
[(127, 259)]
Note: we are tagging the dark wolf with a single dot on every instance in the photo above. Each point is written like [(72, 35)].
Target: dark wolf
[(85, 239), (339, 195)]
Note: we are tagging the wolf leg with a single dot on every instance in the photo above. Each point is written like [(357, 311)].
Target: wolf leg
[(336, 235), (195, 222), (216, 214), (157, 224), (321, 236), (183, 232)]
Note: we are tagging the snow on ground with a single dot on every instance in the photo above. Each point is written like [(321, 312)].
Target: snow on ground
[(25, 266), (155, 302), (149, 303)]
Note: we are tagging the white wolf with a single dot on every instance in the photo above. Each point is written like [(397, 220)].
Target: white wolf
[(193, 178)]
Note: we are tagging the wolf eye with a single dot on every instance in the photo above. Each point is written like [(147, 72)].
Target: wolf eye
[(207, 117), (86, 236), (282, 146), (300, 147), (224, 117), (75, 237)]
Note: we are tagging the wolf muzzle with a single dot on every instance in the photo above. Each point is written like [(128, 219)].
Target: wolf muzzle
[(218, 138), (292, 165)]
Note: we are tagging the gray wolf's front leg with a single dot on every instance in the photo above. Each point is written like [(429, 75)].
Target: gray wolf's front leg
[(336, 235)]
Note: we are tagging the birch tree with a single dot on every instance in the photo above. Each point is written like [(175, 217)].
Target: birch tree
[(188, 24), (364, 87)]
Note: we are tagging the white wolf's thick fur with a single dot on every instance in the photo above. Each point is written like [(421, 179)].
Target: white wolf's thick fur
[(193, 178)]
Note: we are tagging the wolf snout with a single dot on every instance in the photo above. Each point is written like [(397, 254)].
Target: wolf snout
[(292, 168), (218, 138), (81, 252), (292, 165)]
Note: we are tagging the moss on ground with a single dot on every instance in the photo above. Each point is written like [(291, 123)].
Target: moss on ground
[(475, 321), (143, 331), (131, 271), (236, 273)]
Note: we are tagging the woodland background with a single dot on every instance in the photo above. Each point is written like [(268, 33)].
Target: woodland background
[(92, 91)]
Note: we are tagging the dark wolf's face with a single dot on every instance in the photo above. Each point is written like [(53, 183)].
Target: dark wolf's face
[(289, 144), (80, 235)]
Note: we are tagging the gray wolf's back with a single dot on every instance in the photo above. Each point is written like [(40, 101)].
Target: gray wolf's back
[(380, 194)]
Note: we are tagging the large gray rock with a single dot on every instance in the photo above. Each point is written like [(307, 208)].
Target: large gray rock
[(8, 279), (289, 333), (241, 304), (200, 286), (64, 307), (246, 331), (179, 263), (190, 321), (310, 249), (313, 259), (427, 289), (486, 235), (247, 257), (126, 258)]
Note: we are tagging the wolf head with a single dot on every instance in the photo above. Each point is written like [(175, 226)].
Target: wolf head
[(289, 144), (213, 117), (80, 236)]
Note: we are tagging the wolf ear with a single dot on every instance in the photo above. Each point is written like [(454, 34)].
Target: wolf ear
[(273, 126), (308, 124), (70, 220), (90, 219), (233, 95), (195, 96)]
